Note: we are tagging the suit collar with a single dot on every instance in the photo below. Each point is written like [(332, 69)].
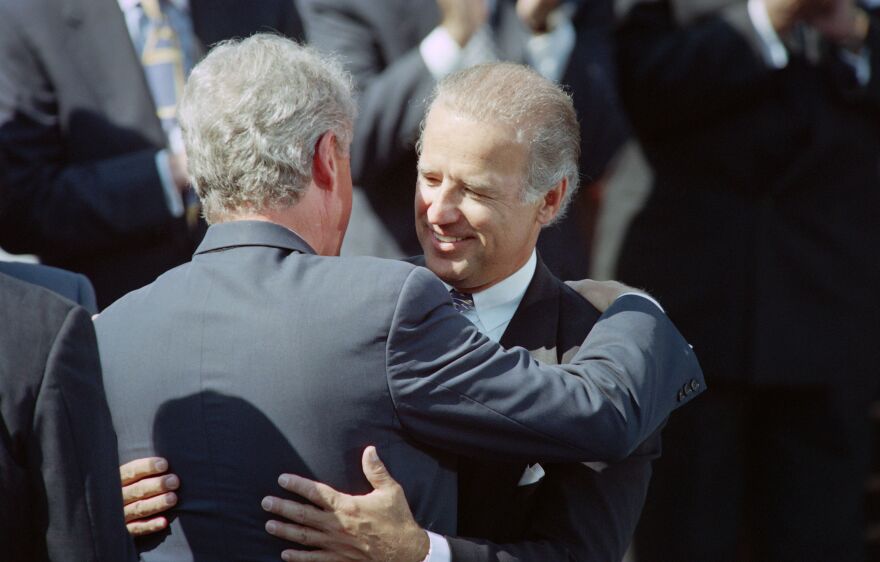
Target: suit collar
[(236, 234), (534, 324)]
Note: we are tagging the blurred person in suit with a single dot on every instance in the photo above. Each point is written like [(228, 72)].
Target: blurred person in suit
[(96, 172), (59, 482), (761, 121), (398, 49), (373, 350), (74, 287)]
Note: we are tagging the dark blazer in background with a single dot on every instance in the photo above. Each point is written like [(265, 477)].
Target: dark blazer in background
[(379, 42), (576, 512), (765, 198), (79, 134), (759, 237), (72, 286), (259, 357), (59, 475)]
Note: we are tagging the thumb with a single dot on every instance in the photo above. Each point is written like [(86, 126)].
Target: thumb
[(374, 470)]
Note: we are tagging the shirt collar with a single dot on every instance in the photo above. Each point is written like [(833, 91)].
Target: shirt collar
[(127, 5), (497, 304)]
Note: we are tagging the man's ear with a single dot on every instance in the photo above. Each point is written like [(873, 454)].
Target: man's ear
[(552, 201), (325, 161)]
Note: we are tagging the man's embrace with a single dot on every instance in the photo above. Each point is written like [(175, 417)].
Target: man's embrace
[(268, 354), (498, 162)]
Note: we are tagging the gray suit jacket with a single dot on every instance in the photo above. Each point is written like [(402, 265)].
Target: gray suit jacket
[(72, 286), (79, 136), (259, 357), (59, 478)]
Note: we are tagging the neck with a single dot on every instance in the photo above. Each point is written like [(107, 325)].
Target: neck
[(304, 221)]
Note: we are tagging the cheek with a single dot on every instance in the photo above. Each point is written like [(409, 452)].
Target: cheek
[(481, 219), (422, 201)]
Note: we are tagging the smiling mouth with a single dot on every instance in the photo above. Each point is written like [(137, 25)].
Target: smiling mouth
[(450, 239)]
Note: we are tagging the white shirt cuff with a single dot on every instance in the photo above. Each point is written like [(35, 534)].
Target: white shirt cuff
[(775, 53), (549, 52), (644, 296), (439, 550), (441, 53), (172, 195)]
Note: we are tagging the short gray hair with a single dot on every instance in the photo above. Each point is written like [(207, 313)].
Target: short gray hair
[(540, 112), (251, 114)]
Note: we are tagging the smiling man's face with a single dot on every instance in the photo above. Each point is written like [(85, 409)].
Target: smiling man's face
[(473, 225)]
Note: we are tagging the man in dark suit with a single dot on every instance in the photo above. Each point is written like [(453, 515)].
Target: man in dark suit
[(398, 49), (516, 511), (91, 187), (760, 120), (59, 497), (262, 355), (72, 286)]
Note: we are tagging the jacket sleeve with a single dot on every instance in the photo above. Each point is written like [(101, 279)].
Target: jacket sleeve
[(72, 453), (53, 204), (455, 389)]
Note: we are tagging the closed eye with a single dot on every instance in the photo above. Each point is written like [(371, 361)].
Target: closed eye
[(430, 180)]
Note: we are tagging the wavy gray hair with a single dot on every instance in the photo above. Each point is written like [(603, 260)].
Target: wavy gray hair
[(540, 112), (251, 113)]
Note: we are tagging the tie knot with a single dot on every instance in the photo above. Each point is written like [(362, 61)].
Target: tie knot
[(463, 302)]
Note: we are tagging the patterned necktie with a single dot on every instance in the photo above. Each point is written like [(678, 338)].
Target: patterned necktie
[(165, 67), (163, 62), (463, 302)]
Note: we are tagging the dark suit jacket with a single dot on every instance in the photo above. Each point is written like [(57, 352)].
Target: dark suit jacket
[(575, 512), (379, 42), (79, 134), (766, 195), (72, 286), (259, 357), (59, 477)]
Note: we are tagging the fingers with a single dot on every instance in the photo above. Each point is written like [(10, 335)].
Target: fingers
[(308, 537), (145, 508), (375, 470), (301, 513), (149, 488), (313, 556), (140, 468), (146, 527), (296, 533), (319, 494)]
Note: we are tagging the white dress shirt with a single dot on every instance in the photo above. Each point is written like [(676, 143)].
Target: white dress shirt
[(493, 310)]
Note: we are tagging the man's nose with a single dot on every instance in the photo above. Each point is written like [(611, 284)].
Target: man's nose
[(443, 207)]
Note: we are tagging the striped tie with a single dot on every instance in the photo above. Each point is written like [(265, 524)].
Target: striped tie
[(463, 302), (162, 59), (165, 68)]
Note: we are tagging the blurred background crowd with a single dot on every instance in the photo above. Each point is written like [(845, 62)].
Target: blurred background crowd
[(730, 165)]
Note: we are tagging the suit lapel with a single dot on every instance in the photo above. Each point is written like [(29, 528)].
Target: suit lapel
[(99, 46), (534, 325)]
